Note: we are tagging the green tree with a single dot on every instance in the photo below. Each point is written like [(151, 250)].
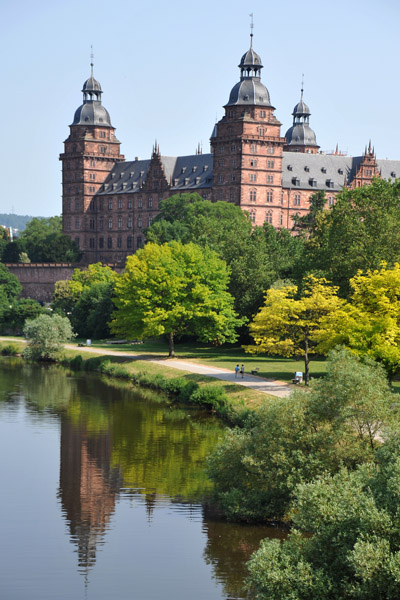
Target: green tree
[(21, 310), (369, 324), (360, 231), (256, 256), (9, 284), (46, 336), (287, 325), (175, 289), (352, 544), (92, 313), (293, 440)]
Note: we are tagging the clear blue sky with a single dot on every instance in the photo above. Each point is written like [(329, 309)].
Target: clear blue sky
[(166, 69)]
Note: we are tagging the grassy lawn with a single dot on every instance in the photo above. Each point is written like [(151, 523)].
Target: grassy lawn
[(227, 357)]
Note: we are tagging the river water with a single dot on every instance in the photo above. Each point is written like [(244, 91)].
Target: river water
[(103, 494)]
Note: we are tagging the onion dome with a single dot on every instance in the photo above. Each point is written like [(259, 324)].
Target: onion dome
[(250, 90), (92, 112), (301, 134)]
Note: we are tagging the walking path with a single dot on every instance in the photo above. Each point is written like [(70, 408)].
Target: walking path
[(267, 386)]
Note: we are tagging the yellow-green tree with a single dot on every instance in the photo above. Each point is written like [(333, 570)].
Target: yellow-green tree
[(175, 289), (287, 325), (369, 324)]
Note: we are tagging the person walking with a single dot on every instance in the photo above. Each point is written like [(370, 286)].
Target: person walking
[(242, 371), (236, 371)]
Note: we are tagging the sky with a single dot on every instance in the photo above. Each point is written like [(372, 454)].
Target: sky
[(167, 68)]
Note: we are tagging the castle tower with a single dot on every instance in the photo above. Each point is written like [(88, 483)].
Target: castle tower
[(247, 147), (90, 152), (300, 137), (367, 169)]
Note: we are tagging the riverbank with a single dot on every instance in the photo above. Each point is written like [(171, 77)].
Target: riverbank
[(213, 387)]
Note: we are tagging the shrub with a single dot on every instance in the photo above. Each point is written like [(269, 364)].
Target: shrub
[(210, 396), (9, 350), (47, 335)]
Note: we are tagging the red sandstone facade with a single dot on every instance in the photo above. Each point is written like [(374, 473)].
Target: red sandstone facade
[(109, 202)]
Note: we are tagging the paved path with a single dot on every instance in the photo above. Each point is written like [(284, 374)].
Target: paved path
[(275, 388)]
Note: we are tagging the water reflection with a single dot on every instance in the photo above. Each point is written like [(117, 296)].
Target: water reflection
[(118, 446)]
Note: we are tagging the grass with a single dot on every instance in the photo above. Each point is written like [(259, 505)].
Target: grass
[(225, 357)]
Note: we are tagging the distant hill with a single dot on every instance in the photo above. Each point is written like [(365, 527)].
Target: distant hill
[(15, 221)]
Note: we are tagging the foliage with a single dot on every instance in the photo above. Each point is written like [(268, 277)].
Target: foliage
[(293, 440), (308, 223), (20, 311), (47, 335), (9, 350), (87, 299), (287, 325), (360, 231), (352, 546), (175, 289), (369, 324), (43, 241), (15, 221), (9, 284), (256, 256)]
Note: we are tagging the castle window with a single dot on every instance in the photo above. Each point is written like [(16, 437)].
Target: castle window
[(229, 130), (233, 177), (220, 179), (253, 176), (233, 163), (119, 242), (281, 219), (270, 179), (270, 196), (297, 199), (102, 149), (101, 204), (120, 203), (253, 148), (129, 222), (129, 202), (140, 202), (110, 204), (139, 222), (233, 148), (119, 222), (253, 195), (220, 195), (270, 164), (150, 203), (252, 215), (222, 163), (253, 162), (91, 243), (109, 242), (129, 241), (263, 114), (331, 200), (101, 223), (368, 172), (222, 149), (139, 241), (92, 162), (102, 134), (150, 220), (69, 223), (101, 242), (77, 223), (271, 150), (230, 114), (91, 224), (76, 240), (110, 223), (261, 131), (268, 217), (232, 195)]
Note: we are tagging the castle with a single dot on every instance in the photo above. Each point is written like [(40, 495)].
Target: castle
[(108, 202)]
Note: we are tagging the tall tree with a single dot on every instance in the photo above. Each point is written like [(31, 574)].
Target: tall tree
[(360, 231), (175, 289), (287, 324)]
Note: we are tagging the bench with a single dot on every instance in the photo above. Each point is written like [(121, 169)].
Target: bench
[(255, 371)]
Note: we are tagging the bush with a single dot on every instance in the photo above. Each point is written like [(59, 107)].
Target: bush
[(47, 335), (9, 350), (210, 396)]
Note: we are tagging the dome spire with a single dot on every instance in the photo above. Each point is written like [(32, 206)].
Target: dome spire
[(251, 30), (91, 60)]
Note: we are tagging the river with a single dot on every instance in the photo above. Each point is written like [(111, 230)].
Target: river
[(103, 494)]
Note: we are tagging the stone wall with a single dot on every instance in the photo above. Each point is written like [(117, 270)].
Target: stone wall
[(38, 279)]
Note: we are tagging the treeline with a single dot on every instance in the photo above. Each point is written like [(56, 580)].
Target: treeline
[(15, 221)]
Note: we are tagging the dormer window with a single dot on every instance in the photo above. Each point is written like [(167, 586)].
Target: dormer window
[(194, 169), (340, 171), (392, 174), (295, 181), (205, 168), (323, 170), (183, 170), (131, 174), (289, 168), (121, 175), (329, 183), (312, 182), (307, 169)]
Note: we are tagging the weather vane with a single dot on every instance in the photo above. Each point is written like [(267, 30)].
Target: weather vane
[(251, 29)]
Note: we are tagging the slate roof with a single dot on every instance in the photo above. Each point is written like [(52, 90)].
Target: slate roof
[(321, 168), (184, 173)]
